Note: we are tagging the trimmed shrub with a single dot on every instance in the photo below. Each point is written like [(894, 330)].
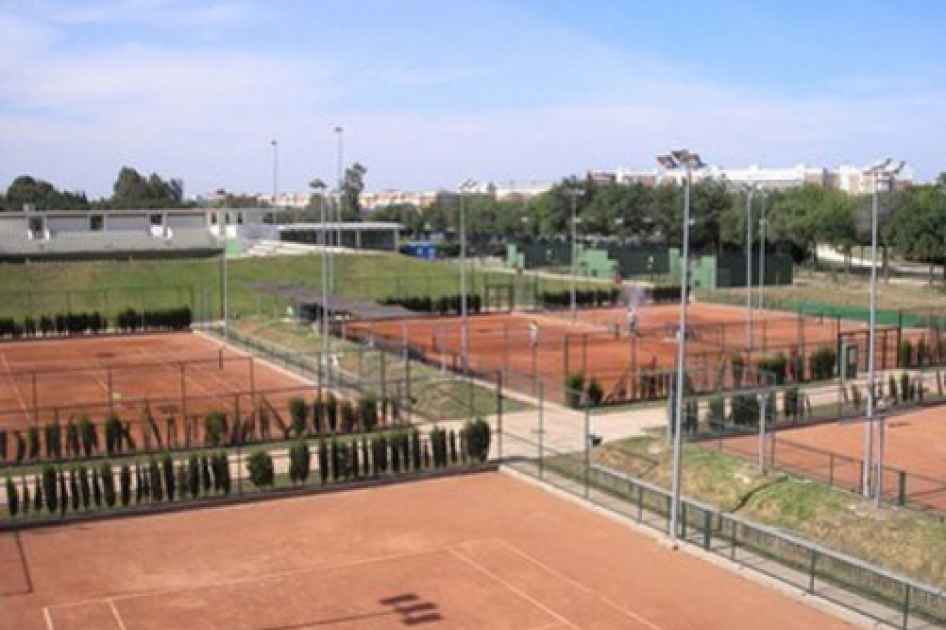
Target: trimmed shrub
[(476, 436), (907, 390), (215, 427), (323, 462), (595, 392), (892, 388), (738, 364), (114, 435), (193, 475), (20, 447), (74, 490), (38, 498), (260, 468), (124, 482), (53, 435), (299, 413), (63, 493), (379, 455), (905, 353), (574, 387), (299, 462), (745, 410), (206, 479), (154, 480), (85, 488), (3, 445), (716, 412), (180, 479), (13, 498), (96, 489), (73, 442), (89, 435), (32, 439), (50, 488), (438, 444), (330, 405), (167, 472), (822, 363), (349, 416), (221, 472), (108, 484), (368, 410), (417, 460)]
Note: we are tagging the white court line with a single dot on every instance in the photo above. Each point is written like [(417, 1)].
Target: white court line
[(118, 618), (513, 589), (579, 585), (262, 578), (49, 618), (16, 387)]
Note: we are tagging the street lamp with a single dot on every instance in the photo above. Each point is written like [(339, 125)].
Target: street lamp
[(688, 162), (574, 193), (885, 172), (275, 145), (763, 222), (749, 189), (319, 187), (467, 186)]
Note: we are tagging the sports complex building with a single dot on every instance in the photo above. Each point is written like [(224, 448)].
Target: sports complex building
[(174, 233)]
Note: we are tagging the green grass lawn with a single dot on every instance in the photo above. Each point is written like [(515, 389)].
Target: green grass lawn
[(837, 289), (908, 542), (109, 286)]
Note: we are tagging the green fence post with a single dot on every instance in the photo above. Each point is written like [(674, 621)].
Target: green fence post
[(811, 571), (683, 520), (587, 437), (707, 534), (640, 503), (906, 607), (541, 427), (499, 414), (901, 488)]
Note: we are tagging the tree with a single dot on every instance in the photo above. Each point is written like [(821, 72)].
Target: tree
[(108, 484), (13, 498), (353, 184), (43, 195), (299, 462), (51, 488), (124, 478), (132, 190), (260, 467)]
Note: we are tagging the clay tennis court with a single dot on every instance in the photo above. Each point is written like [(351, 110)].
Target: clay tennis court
[(173, 374), (915, 444), (596, 342), (484, 551)]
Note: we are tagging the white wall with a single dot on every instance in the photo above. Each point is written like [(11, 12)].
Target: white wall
[(137, 222), (57, 224), (187, 220), (13, 224)]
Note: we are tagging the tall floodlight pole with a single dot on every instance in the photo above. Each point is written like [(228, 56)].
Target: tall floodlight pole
[(763, 221), (465, 187), (319, 187), (574, 193), (338, 206), (275, 145), (687, 161), (883, 172), (749, 192)]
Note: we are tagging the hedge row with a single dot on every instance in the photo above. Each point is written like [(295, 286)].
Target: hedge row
[(69, 324), (584, 298), (443, 305), (81, 488), (376, 455)]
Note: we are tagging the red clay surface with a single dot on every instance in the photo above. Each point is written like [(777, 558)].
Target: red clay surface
[(483, 552), (97, 375), (915, 443), (597, 343)]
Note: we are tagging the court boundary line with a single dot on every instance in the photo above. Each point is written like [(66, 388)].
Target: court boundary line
[(111, 602), (27, 577), (120, 597), (16, 387)]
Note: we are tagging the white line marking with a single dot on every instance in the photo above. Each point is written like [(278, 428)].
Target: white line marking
[(580, 586), (256, 579), (16, 388), (513, 589), (49, 618), (118, 618)]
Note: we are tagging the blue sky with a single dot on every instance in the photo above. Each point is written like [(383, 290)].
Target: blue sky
[(432, 92)]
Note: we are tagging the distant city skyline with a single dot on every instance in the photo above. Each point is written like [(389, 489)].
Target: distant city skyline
[(430, 93)]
